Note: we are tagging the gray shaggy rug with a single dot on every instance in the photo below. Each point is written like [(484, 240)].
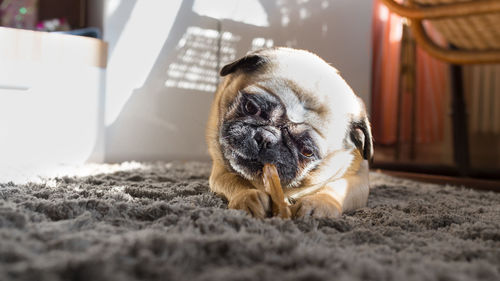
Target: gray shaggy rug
[(160, 222)]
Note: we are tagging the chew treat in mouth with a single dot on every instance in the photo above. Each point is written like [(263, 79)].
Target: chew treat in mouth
[(273, 187)]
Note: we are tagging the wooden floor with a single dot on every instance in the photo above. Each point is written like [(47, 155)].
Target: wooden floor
[(480, 184), (437, 158)]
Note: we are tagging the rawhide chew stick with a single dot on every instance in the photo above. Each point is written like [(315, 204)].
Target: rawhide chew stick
[(273, 187)]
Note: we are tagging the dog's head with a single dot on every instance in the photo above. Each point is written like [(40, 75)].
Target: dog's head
[(289, 108)]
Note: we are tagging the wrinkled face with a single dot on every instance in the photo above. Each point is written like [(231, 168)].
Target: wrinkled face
[(291, 109), (263, 127)]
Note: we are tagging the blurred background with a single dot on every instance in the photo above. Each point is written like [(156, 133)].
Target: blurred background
[(129, 80)]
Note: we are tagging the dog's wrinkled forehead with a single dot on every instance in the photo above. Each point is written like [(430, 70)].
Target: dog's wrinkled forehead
[(274, 90), (294, 109)]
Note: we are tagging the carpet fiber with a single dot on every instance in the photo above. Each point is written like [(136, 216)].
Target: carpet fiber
[(161, 222)]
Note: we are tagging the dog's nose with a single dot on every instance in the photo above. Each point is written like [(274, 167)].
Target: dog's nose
[(266, 137)]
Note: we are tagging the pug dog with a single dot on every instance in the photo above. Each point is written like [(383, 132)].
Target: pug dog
[(289, 108)]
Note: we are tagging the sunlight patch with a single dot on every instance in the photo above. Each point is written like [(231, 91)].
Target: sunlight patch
[(198, 59), (244, 11)]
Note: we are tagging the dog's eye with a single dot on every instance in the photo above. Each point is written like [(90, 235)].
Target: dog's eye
[(306, 151), (251, 108)]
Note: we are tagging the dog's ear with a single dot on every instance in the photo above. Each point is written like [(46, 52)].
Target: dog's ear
[(248, 63), (361, 136)]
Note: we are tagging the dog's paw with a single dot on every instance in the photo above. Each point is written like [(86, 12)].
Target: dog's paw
[(317, 206), (255, 202)]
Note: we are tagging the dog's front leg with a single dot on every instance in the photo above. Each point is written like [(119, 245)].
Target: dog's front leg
[(240, 193), (335, 197)]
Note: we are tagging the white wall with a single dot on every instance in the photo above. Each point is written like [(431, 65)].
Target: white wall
[(163, 62)]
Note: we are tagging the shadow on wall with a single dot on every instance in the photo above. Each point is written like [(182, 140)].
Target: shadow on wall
[(162, 114)]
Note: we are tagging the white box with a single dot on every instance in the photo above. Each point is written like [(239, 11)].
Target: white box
[(51, 99)]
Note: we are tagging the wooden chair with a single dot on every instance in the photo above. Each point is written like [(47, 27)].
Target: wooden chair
[(472, 29)]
